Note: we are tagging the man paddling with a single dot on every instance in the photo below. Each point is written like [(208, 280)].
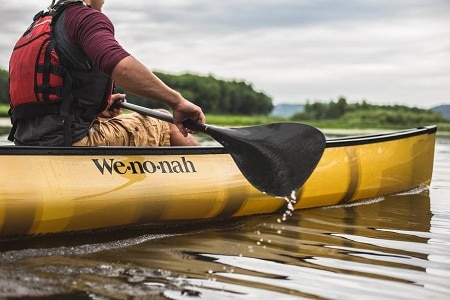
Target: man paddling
[(64, 96)]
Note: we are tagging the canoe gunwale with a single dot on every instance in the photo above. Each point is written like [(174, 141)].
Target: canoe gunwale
[(380, 137), (87, 151), (330, 143)]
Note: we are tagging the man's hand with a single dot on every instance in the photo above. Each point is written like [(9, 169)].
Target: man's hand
[(112, 112), (187, 110)]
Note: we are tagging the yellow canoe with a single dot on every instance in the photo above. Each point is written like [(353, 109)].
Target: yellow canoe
[(53, 190)]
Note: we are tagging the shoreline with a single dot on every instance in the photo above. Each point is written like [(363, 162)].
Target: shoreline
[(6, 123)]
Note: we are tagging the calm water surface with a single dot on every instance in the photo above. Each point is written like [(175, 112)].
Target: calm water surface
[(397, 247)]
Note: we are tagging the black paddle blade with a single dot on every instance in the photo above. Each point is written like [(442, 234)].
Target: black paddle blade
[(276, 158)]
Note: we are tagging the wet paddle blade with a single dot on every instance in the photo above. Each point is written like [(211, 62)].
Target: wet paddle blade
[(275, 158)]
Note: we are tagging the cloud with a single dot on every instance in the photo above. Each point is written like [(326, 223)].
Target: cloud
[(294, 50)]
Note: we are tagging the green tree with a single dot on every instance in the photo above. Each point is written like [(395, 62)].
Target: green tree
[(368, 115), (219, 96), (213, 95), (4, 86)]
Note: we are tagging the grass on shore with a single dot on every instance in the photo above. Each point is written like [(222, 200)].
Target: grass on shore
[(243, 120), (236, 121), (4, 111)]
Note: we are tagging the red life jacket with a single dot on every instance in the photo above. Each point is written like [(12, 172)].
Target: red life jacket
[(42, 83), (36, 76)]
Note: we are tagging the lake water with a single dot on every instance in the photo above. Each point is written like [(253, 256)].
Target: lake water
[(392, 248)]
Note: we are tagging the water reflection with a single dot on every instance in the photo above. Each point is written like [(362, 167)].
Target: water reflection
[(381, 248)]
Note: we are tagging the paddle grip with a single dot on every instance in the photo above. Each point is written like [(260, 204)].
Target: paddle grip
[(195, 126)]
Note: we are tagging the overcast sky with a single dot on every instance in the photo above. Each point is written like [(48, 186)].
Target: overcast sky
[(384, 51)]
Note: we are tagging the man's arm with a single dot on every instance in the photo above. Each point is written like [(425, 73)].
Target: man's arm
[(134, 77)]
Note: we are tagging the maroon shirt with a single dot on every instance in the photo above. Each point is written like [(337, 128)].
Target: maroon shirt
[(93, 32)]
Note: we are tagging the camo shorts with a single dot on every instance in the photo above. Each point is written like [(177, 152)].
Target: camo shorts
[(127, 130)]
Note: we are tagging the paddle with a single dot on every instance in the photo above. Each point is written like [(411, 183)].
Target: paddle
[(275, 158)]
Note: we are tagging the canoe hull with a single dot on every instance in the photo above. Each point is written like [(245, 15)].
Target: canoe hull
[(65, 189)]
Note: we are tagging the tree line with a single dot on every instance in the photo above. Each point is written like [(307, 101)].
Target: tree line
[(4, 87), (215, 96), (368, 115)]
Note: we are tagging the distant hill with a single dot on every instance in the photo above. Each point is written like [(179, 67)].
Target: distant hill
[(287, 110), (443, 109)]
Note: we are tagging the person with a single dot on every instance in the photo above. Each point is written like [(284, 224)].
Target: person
[(92, 59)]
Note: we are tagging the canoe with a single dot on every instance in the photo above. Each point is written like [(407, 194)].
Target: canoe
[(56, 190)]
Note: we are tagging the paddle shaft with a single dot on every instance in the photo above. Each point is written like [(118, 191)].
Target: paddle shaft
[(160, 115)]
